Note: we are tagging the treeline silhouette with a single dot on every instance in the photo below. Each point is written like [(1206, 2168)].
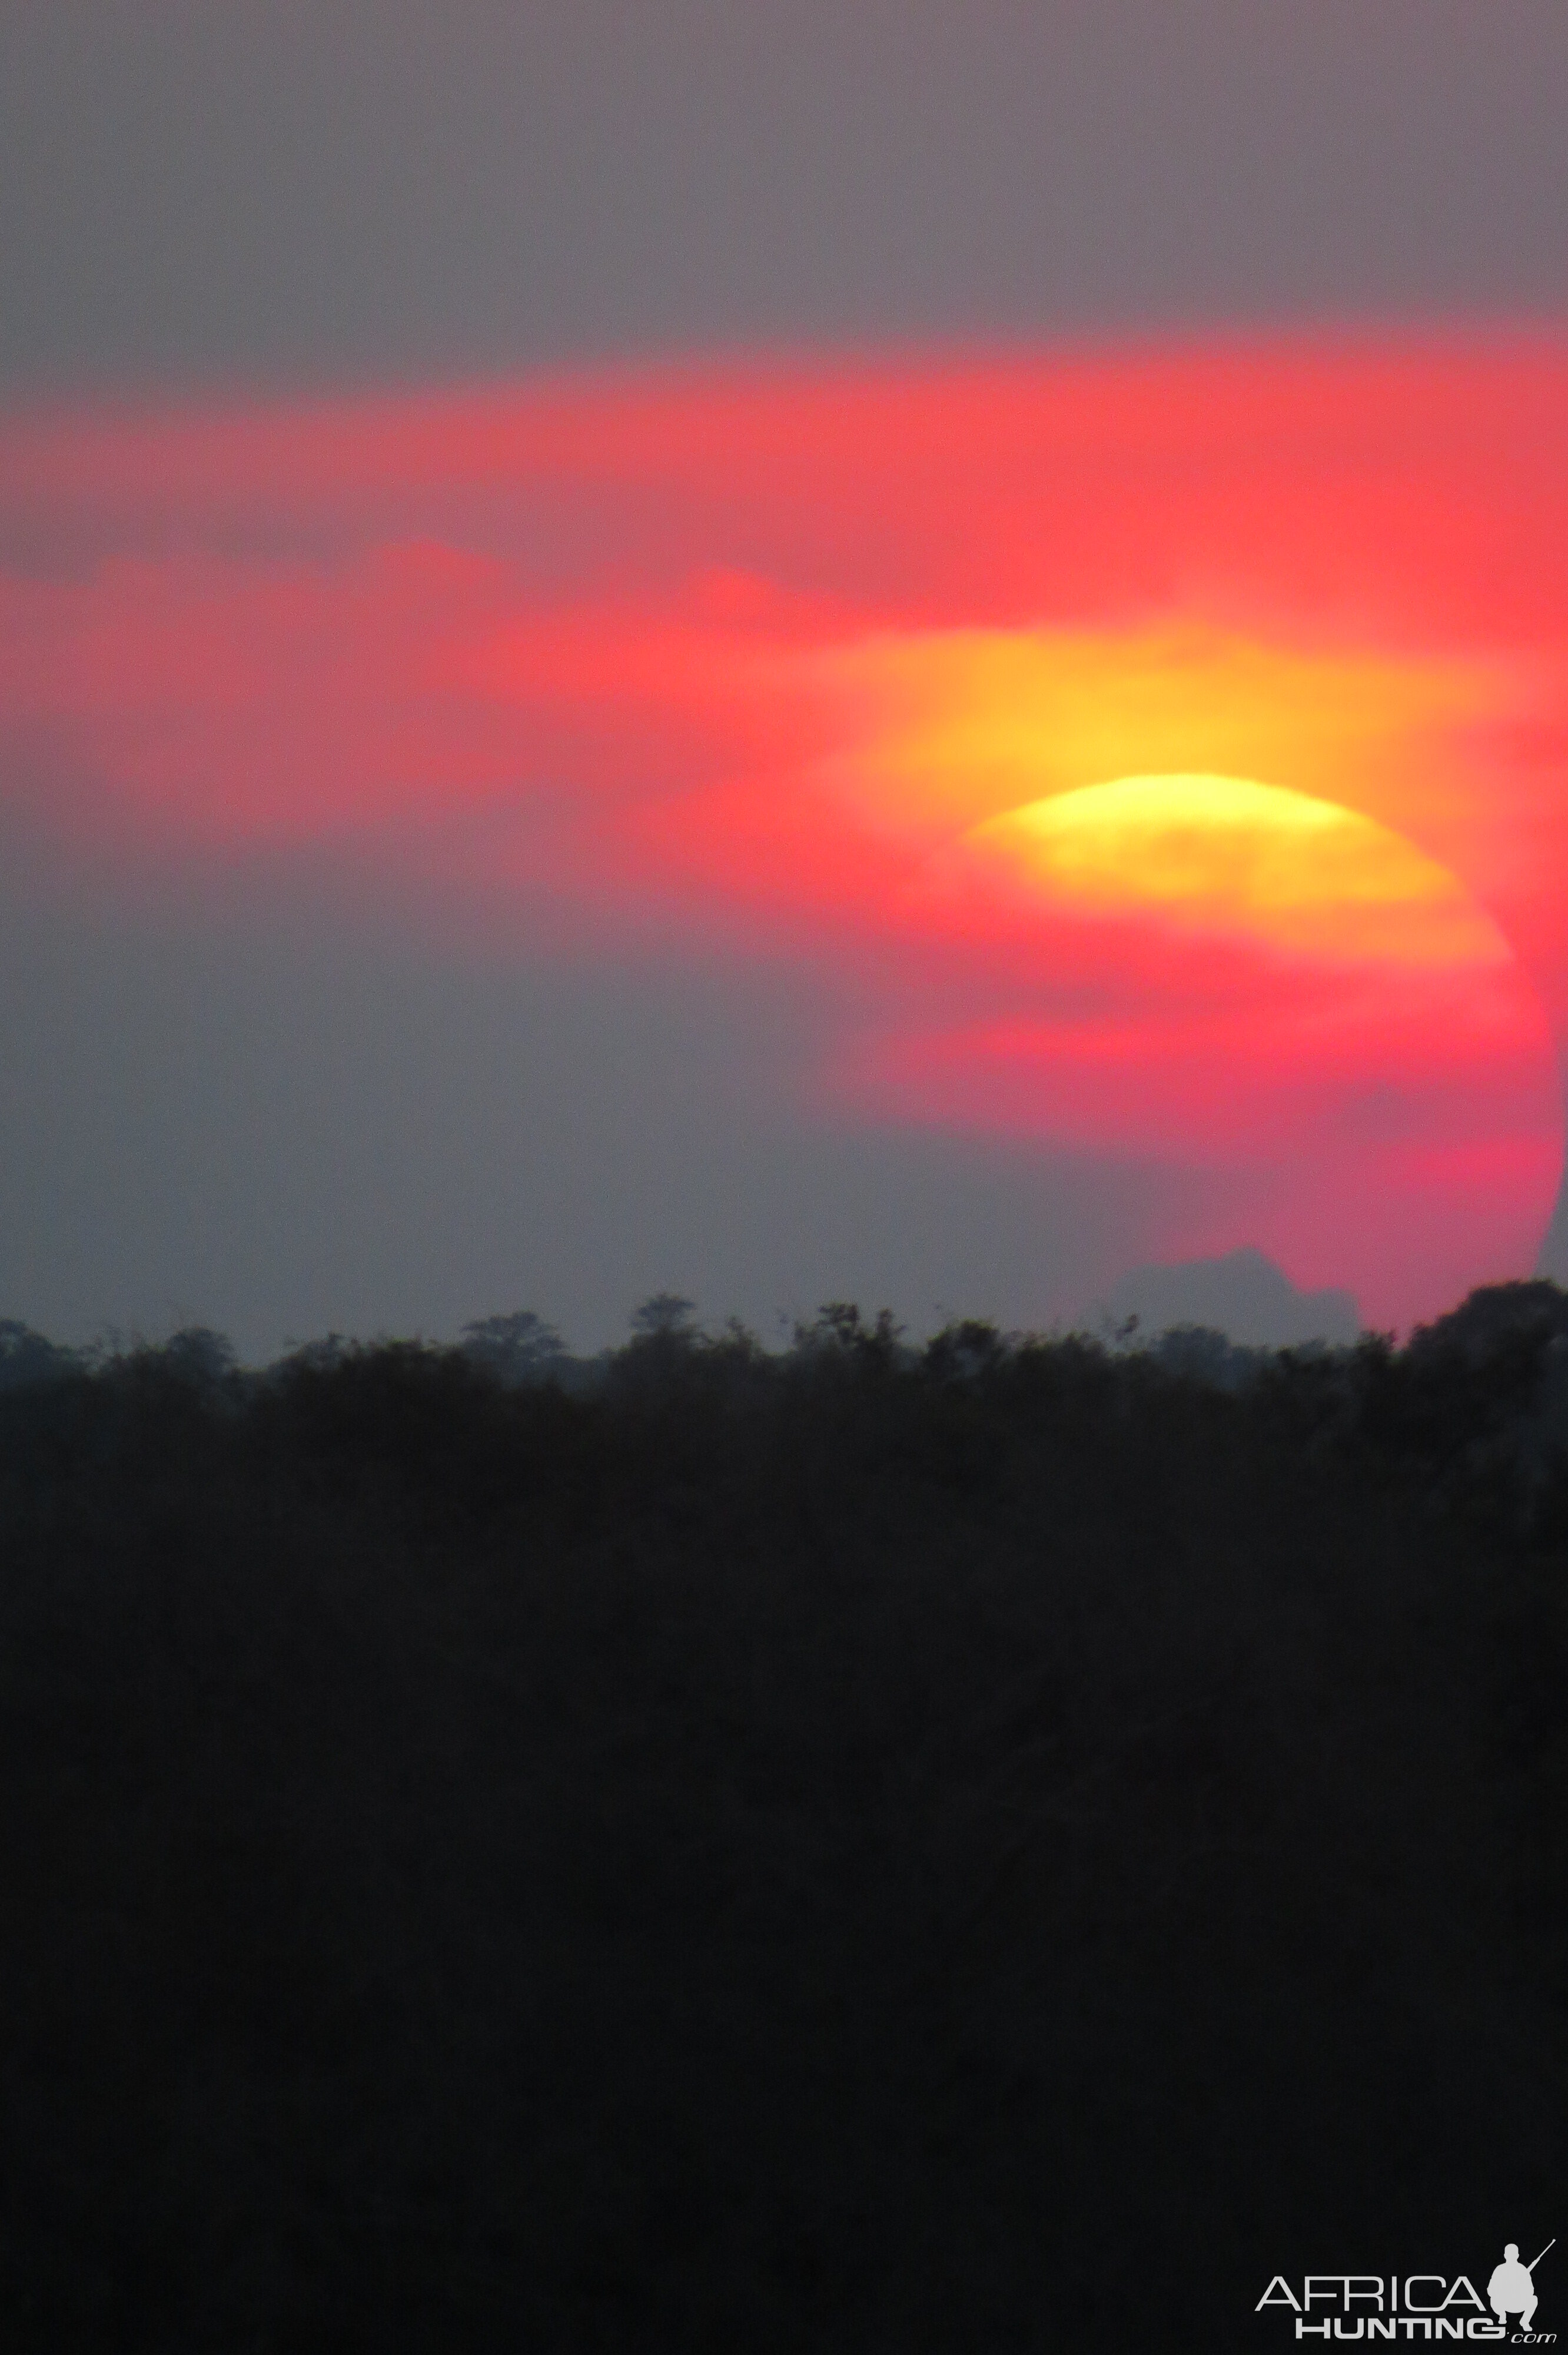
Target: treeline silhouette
[(995, 1845)]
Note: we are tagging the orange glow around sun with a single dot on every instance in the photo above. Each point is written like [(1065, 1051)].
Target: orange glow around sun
[(1158, 757), (1254, 978)]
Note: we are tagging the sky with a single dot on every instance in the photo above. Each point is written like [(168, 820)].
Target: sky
[(787, 655)]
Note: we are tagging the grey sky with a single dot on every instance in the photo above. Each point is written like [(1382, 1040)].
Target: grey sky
[(379, 186), (270, 1116), (277, 1120)]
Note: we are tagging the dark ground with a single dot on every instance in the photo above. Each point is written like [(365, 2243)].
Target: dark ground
[(1002, 1848)]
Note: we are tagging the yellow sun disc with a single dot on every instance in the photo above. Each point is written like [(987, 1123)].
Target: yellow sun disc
[(1227, 854)]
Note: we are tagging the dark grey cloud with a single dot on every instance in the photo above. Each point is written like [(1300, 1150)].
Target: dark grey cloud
[(358, 188)]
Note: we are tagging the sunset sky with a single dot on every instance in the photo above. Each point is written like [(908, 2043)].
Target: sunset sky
[(793, 720)]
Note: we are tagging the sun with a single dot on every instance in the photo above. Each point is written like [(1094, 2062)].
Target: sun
[(1322, 1040), (1227, 855)]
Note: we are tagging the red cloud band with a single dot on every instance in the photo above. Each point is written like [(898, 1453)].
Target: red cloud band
[(723, 655)]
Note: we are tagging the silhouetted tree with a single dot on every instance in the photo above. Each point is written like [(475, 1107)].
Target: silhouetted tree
[(26, 1357), (665, 1317), (518, 1347)]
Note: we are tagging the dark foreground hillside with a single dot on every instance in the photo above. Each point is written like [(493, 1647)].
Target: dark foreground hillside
[(999, 1849)]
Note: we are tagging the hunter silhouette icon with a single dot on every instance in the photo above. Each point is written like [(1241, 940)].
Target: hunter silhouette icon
[(1510, 2289)]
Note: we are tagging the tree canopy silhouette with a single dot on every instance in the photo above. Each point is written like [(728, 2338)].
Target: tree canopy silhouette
[(709, 1847)]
